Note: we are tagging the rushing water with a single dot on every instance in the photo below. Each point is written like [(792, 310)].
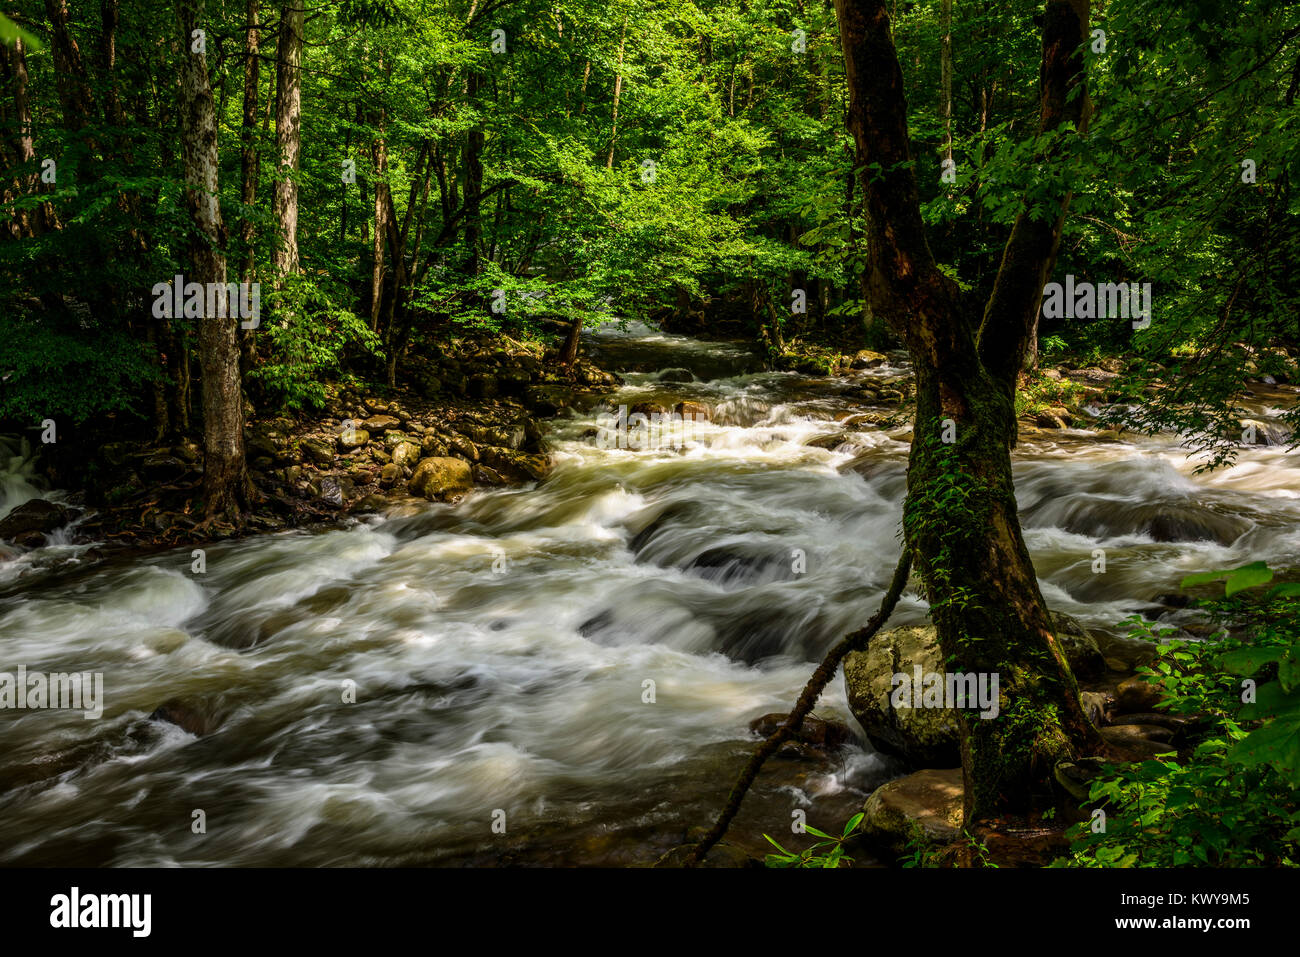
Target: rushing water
[(501, 648)]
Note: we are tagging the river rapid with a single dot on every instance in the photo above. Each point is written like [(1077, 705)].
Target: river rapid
[(577, 661)]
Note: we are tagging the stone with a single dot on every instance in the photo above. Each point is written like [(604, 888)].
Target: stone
[(866, 359), (1135, 695), (33, 516), (406, 453), (439, 478), (353, 439), (930, 737), (925, 804), (316, 452), (379, 424)]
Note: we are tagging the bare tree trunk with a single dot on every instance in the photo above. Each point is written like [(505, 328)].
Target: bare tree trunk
[(288, 138), (226, 487)]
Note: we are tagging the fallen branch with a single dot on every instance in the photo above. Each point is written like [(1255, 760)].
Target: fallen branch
[(811, 692)]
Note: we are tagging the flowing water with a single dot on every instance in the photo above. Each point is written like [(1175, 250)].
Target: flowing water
[(579, 660)]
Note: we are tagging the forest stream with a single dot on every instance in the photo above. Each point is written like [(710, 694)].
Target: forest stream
[(503, 648)]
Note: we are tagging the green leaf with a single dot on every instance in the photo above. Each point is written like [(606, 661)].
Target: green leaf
[(10, 31)]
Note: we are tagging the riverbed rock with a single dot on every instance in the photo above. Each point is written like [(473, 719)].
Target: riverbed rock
[(926, 804), (316, 452), (36, 516), (439, 478), (929, 737), (517, 466), (866, 359), (815, 732), (925, 737)]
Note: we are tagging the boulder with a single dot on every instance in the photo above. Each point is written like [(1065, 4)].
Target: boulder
[(925, 804), (866, 359), (441, 477), (379, 424), (925, 737), (36, 516), (517, 466), (929, 737)]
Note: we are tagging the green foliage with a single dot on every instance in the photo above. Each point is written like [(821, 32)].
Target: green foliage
[(306, 339), (1231, 800), (826, 853), (68, 373), (920, 851)]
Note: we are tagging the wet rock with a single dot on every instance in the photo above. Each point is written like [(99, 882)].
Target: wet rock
[(696, 409), (197, 718), (379, 424), (1049, 420), (1095, 704), (1125, 654), (925, 803), (368, 504), (389, 475), (866, 359), (441, 478), (816, 732), (34, 516), (1134, 740), (517, 466), (676, 375), (925, 737)]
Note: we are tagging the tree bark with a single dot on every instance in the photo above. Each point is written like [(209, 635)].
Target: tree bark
[(288, 139), (960, 514), (226, 487), (618, 92)]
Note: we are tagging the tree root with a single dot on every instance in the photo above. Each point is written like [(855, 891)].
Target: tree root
[(811, 692)]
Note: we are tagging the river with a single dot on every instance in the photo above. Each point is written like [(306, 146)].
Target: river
[(577, 662)]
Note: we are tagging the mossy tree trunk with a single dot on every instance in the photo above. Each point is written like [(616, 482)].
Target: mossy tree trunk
[(960, 515)]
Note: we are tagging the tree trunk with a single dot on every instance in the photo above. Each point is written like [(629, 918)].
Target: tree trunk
[(618, 92), (249, 168), (379, 157), (288, 139), (960, 513), (226, 487), (473, 181)]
